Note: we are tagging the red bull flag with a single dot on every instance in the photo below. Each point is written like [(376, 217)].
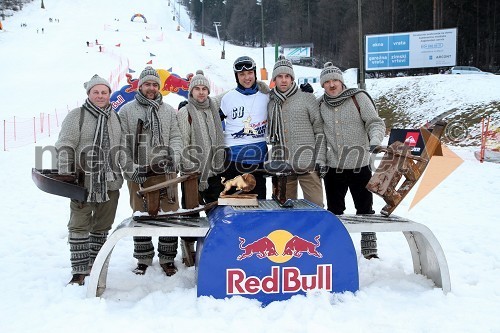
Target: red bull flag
[(170, 82)]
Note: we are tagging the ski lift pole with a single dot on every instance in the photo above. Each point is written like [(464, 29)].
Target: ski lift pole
[(485, 124)]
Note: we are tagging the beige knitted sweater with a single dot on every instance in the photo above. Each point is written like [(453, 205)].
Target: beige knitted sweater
[(350, 133), (303, 129)]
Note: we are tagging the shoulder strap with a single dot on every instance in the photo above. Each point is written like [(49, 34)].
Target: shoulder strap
[(356, 103), (82, 114)]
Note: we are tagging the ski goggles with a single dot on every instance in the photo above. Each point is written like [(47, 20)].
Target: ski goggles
[(245, 65)]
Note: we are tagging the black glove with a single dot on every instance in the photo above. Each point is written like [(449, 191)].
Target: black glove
[(322, 170), (167, 164), (182, 104), (139, 176), (306, 87), (374, 149)]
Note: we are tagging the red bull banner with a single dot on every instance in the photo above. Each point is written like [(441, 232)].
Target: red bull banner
[(170, 82), (271, 254)]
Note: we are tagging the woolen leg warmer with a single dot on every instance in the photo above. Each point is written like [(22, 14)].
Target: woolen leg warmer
[(79, 251), (96, 241), (144, 250), (167, 249), (368, 244)]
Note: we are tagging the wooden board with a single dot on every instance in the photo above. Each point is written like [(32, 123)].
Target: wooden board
[(238, 200)]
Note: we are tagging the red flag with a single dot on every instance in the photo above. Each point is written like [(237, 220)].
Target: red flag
[(149, 62)]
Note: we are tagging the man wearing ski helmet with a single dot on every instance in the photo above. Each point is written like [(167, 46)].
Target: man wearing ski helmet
[(245, 112)]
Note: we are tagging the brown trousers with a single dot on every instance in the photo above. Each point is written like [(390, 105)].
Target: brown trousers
[(311, 186)]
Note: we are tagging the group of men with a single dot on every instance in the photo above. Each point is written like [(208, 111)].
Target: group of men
[(223, 136)]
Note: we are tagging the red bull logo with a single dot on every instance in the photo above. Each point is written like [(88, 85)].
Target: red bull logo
[(279, 246), (289, 280), (262, 248)]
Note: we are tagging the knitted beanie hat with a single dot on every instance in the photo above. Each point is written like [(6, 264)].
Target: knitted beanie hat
[(149, 74), (94, 81), (330, 72), (199, 80), (283, 66)]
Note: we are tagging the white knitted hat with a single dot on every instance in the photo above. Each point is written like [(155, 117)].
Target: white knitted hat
[(199, 80), (94, 81), (330, 72), (283, 66), (149, 74)]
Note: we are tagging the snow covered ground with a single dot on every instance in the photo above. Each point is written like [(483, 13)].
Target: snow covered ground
[(43, 72)]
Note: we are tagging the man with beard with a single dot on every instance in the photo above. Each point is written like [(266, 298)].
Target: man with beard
[(158, 155)]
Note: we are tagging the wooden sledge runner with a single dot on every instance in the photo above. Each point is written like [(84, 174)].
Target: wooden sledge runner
[(49, 181), (398, 162)]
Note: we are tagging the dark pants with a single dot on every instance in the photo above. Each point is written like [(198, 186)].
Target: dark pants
[(234, 169), (338, 181)]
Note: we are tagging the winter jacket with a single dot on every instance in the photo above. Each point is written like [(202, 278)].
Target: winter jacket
[(73, 139), (148, 156), (303, 130), (349, 132)]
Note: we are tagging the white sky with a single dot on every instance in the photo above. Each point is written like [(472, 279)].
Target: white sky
[(45, 72)]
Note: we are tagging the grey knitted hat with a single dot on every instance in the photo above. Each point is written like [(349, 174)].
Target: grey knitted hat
[(199, 80), (94, 81), (330, 72), (283, 66), (149, 74)]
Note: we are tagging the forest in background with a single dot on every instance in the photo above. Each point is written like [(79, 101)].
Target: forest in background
[(332, 25)]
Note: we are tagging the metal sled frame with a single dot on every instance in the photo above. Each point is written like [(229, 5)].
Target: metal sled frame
[(177, 227), (428, 256)]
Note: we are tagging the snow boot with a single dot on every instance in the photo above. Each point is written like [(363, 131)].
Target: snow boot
[(140, 269), (169, 268), (78, 279)]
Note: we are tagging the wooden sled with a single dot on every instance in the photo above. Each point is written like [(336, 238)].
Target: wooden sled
[(152, 196), (49, 181), (398, 162)]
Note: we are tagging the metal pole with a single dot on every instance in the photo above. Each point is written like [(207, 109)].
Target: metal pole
[(361, 72), (202, 23), (263, 53)]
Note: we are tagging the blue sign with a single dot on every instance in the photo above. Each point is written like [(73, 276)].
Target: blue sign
[(273, 254), (399, 43), (377, 60), (378, 44), (399, 59)]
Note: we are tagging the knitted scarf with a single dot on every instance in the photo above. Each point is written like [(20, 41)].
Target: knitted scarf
[(98, 191), (152, 118), (208, 135), (276, 128), (339, 99)]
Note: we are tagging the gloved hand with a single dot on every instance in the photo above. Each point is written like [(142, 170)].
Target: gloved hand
[(306, 87), (167, 164), (182, 104), (139, 176), (374, 149), (322, 170)]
